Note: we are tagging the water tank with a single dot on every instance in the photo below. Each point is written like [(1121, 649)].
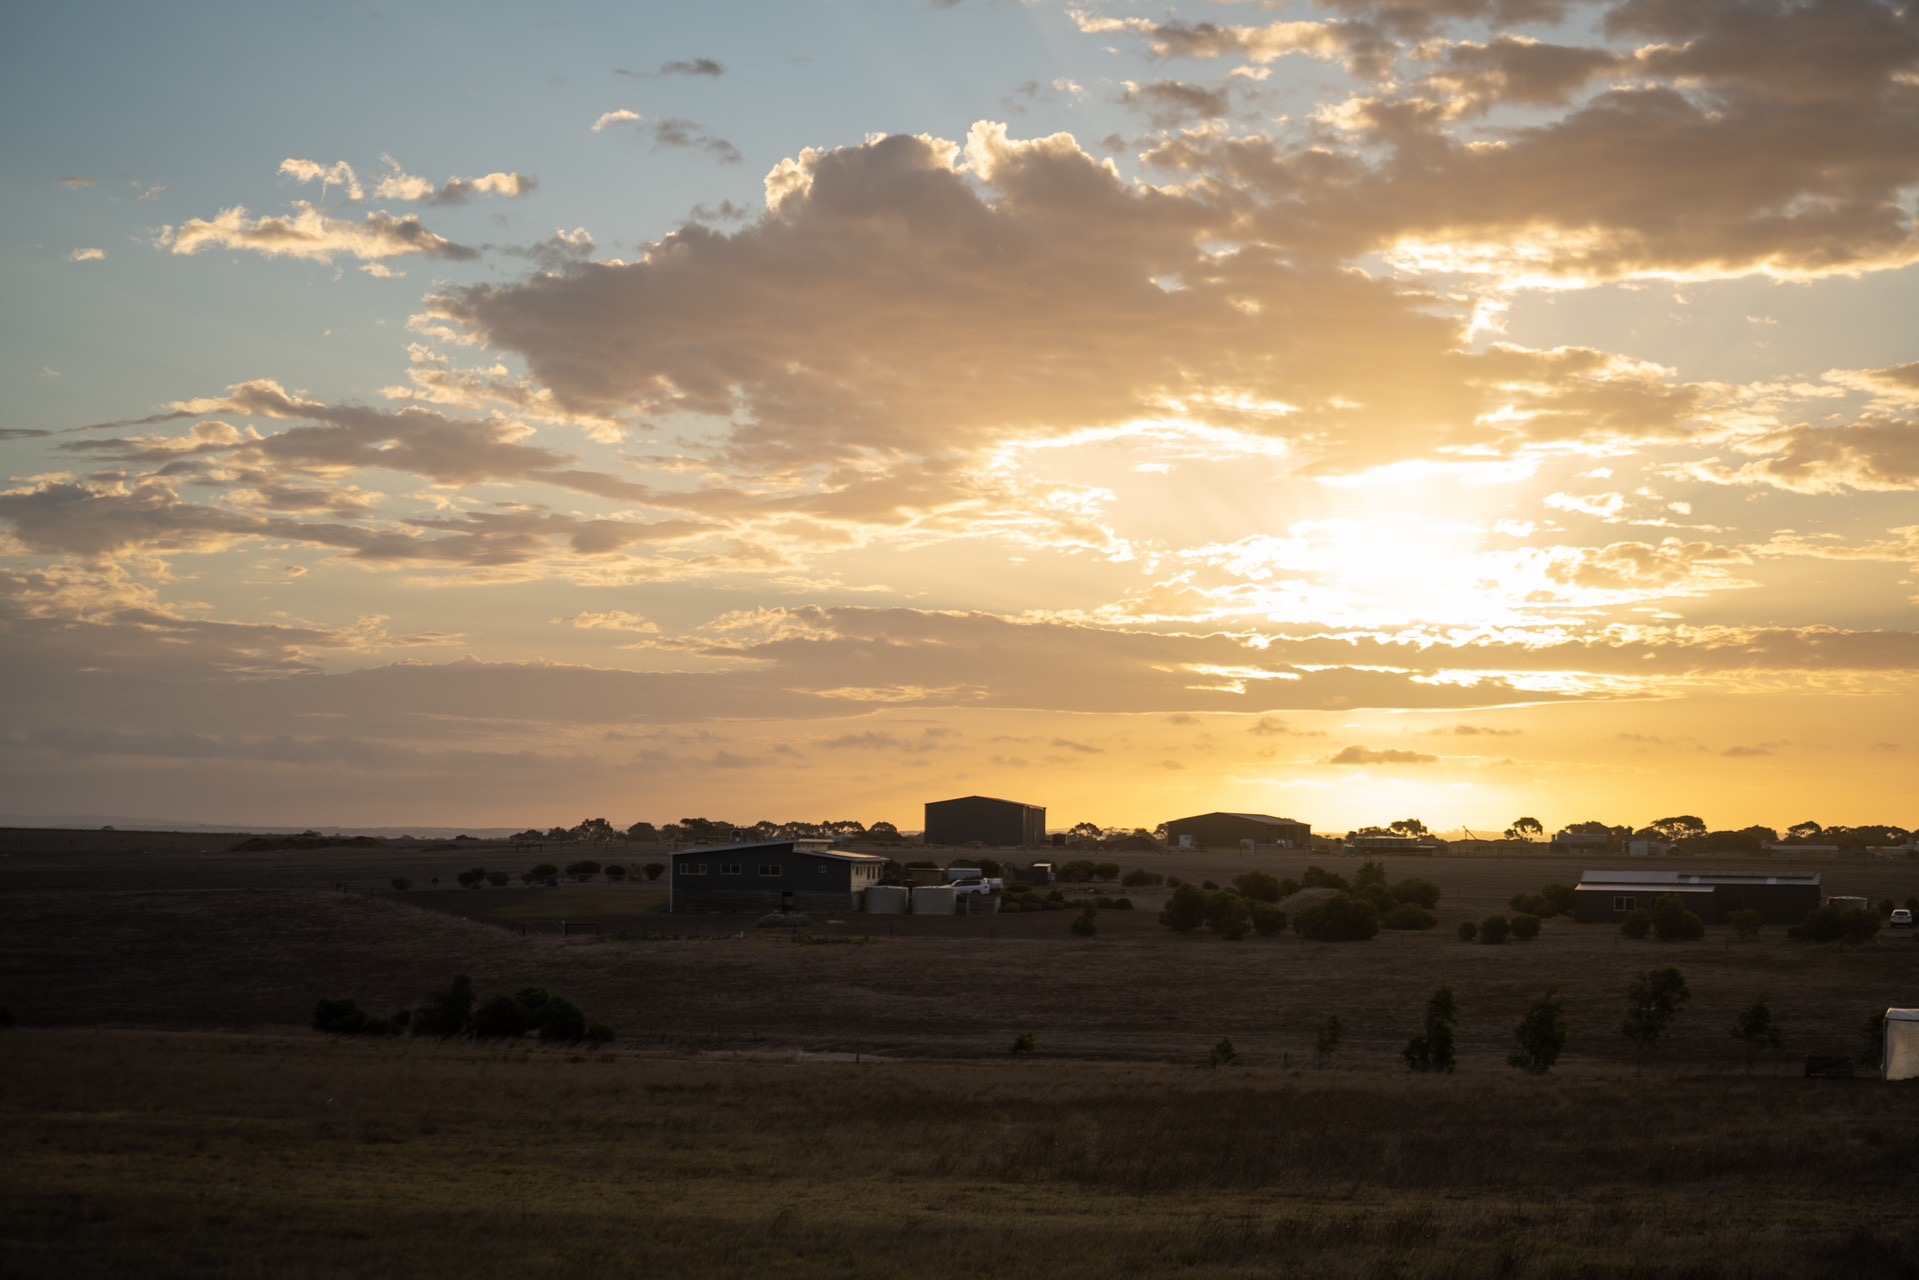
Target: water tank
[(933, 900), (886, 900), (1848, 903)]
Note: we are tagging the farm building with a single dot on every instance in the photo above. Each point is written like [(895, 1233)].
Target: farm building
[(1901, 1053), (991, 822), (1229, 830), (1780, 897), (773, 875)]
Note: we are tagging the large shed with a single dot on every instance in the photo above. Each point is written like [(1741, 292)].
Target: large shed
[(772, 875), (1229, 830), (1901, 1056), (1006, 823), (1780, 897)]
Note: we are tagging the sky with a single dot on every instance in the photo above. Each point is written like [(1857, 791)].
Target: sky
[(500, 415)]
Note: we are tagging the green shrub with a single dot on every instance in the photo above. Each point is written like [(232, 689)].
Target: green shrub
[(1022, 1044), (1122, 904), (339, 1016), (472, 879), (1468, 931), (1408, 915), (1142, 879), (1637, 924), (502, 1017), (1103, 903), (1560, 898), (1671, 922), (496, 878), (1525, 927), (654, 870), (449, 1014), (1746, 923), (1540, 1035), (1834, 923), (402, 883), (616, 872), (1755, 1029), (1341, 918), (561, 1020), (1258, 886), (1086, 924), (1186, 910), (1268, 919), (583, 870), (1106, 871), (545, 871), (1421, 893), (1530, 904), (1222, 1053), (1209, 886), (1652, 1001), (1228, 914), (1493, 930), (1317, 877), (1432, 1048)]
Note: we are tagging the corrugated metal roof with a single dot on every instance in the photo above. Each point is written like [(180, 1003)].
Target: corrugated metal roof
[(1645, 879), (995, 799), (1631, 886), (842, 855), (1249, 817)]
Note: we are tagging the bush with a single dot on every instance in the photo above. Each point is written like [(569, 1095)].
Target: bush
[(545, 871), (1408, 915), (1637, 924), (1268, 919), (1746, 924), (472, 879), (1494, 929), (561, 1019), (1022, 1044), (1185, 910), (1529, 904), (1086, 924), (1209, 886), (1540, 1035), (1468, 931), (402, 883), (1755, 1029), (502, 1017), (449, 1014), (1142, 879), (1103, 902), (1671, 922), (1258, 886), (616, 872), (1106, 871), (1834, 923), (1652, 1001), (1222, 1053), (1341, 918), (1421, 893), (339, 1016), (1525, 927), (1432, 1048), (654, 870), (1320, 878), (496, 878), (1122, 904), (1228, 915), (583, 870), (1559, 897)]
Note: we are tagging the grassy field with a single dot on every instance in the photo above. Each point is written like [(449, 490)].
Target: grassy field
[(168, 1112), (178, 1155)]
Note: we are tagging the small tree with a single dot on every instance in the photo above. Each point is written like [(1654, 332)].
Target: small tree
[(1268, 919), (583, 870), (1671, 922), (1652, 1001), (1432, 1048), (1468, 931), (1222, 1053), (654, 870), (1087, 923), (497, 878), (1525, 927), (1637, 924), (1258, 886), (472, 879), (1341, 918), (1326, 1042), (1493, 930), (1185, 910), (341, 1016), (1755, 1029), (616, 872), (1421, 893), (1228, 914), (1022, 1044), (449, 1014), (1540, 1035), (1745, 923)]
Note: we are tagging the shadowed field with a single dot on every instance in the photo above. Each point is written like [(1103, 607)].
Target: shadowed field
[(174, 1155)]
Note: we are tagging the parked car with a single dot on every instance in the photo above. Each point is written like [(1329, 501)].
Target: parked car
[(1901, 918), (977, 884)]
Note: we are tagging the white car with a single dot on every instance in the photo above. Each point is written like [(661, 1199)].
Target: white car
[(977, 884), (1901, 918)]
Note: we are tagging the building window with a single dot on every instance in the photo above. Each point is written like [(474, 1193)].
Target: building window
[(1624, 902), (770, 869), (822, 869), (729, 868), (692, 868)]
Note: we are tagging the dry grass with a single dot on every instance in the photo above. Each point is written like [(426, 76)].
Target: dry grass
[(178, 1155)]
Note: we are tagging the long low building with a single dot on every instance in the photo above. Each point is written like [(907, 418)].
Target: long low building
[(985, 820), (772, 875), (1230, 830), (1780, 897)]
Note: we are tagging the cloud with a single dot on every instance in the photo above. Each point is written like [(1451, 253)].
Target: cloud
[(1473, 79), (1876, 454), (87, 255), (398, 184), (78, 184), (1475, 731), (612, 620), (312, 236), (672, 133), (1171, 103), (608, 119), (1367, 755), (1176, 39), (338, 174), (692, 67)]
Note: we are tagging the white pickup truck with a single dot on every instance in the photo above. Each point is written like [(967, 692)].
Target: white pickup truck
[(965, 880)]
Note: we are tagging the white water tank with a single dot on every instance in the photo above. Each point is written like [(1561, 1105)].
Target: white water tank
[(933, 900), (886, 900)]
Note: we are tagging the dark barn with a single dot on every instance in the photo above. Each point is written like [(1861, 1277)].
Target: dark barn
[(1780, 897), (1003, 823), (770, 876), (1227, 830)]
